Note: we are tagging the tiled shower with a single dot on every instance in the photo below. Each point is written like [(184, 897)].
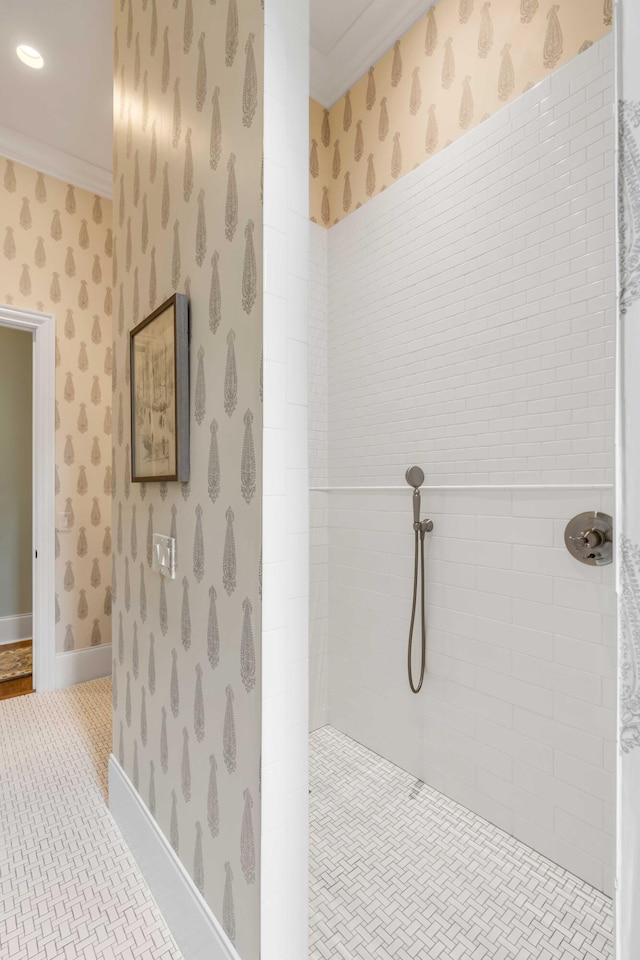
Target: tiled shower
[(463, 320)]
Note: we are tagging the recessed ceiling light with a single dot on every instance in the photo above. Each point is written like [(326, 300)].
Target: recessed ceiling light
[(30, 56)]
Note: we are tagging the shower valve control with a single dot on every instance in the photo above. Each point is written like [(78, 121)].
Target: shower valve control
[(589, 538)]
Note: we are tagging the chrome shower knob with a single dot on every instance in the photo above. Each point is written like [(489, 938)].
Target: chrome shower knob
[(589, 538)]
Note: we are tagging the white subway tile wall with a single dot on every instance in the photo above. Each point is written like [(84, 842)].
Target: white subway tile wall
[(516, 716), (472, 306), (470, 330)]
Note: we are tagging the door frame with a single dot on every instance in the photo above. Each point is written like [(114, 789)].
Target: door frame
[(42, 328)]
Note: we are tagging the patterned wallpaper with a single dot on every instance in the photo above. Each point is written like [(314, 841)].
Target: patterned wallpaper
[(188, 217), (454, 68), (56, 257)]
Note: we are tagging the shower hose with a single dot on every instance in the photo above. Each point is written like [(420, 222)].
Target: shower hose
[(418, 564)]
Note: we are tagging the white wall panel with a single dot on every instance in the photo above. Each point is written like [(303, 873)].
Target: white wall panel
[(285, 594)]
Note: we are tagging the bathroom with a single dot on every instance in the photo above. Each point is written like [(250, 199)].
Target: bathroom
[(359, 677), (463, 307), (454, 309)]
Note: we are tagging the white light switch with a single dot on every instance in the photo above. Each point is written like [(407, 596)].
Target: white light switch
[(62, 523), (164, 556)]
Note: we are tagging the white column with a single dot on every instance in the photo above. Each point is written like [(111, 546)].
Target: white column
[(285, 657)]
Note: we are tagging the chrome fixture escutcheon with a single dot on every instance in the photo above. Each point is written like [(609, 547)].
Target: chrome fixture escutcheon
[(589, 538)]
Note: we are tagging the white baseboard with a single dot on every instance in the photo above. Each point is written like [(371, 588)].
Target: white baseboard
[(192, 923), (78, 666), (16, 628)]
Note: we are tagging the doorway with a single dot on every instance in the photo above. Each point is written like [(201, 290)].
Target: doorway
[(27, 529), (16, 509)]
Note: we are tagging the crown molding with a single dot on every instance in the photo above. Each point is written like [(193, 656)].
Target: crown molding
[(56, 163), (329, 80)]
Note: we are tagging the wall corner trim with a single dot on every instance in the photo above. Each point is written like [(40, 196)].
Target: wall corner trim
[(56, 163), (195, 929), (79, 666)]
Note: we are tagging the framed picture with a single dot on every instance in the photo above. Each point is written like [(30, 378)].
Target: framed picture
[(160, 394)]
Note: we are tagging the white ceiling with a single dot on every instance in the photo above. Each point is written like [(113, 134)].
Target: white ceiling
[(347, 36), (67, 106), (59, 119)]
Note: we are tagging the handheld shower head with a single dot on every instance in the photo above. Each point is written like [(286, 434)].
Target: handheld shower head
[(414, 477)]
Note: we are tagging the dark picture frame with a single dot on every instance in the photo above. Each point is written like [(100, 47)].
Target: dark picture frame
[(159, 358)]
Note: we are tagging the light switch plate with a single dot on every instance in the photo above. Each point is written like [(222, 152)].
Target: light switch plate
[(62, 523), (164, 556)]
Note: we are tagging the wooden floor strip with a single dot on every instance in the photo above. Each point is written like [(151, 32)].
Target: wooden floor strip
[(16, 688), (16, 645)]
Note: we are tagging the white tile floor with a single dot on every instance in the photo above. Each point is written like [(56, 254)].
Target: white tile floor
[(69, 888), (400, 871)]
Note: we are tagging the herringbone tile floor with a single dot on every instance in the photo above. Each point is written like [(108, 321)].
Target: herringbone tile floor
[(69, 888), (397, 870), (400, 871)]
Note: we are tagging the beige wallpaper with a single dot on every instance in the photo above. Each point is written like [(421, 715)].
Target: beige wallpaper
[(56, 257), (188, 217), (454, 68)]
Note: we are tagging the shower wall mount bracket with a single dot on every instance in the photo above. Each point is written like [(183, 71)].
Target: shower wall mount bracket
[(424, 526), (589, 538)]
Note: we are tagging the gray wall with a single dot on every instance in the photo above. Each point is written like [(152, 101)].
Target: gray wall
[(15, 471)]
